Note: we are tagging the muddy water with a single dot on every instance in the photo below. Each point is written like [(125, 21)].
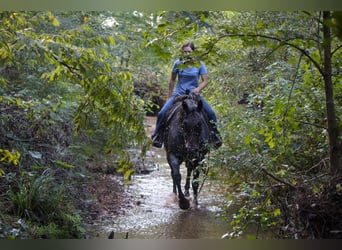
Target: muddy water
[(153, 212)]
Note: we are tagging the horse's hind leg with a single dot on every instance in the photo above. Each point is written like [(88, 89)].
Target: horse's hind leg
[(195, 184)]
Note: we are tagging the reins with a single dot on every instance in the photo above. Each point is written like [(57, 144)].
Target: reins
[(206, 171)]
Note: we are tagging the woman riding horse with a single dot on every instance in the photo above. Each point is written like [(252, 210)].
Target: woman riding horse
[(188, 79)]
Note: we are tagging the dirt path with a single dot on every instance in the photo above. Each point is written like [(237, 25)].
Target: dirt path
[(108, 194)]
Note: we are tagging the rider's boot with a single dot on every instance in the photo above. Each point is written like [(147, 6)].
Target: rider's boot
[(215, 136), (157, 140)]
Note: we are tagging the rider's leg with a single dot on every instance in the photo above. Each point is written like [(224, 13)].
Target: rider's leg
[(157, 136)]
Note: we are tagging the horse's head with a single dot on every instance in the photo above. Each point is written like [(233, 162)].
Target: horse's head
[(192, 125)]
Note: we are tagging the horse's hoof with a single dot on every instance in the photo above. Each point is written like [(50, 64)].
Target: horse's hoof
[(184, 204)]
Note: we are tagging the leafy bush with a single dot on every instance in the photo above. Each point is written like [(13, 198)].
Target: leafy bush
[(45, 204), (68, 226)]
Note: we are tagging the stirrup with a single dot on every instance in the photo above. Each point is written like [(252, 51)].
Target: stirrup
[(217, 142), (157, 141)]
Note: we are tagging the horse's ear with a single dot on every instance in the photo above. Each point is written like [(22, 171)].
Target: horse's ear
[(199, 105)]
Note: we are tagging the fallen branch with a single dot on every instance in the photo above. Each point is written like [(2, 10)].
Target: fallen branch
[(278, 179)]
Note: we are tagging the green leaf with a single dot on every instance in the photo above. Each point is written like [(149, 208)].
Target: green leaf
[(111, 40), (277, 212), (64, 165), (54, 21)]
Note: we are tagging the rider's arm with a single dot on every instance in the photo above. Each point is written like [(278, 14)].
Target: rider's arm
[(172, 84), (203, 84)]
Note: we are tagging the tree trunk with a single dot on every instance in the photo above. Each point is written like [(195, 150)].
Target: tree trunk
[(334, 146)]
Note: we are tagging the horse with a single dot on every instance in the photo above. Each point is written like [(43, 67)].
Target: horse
[(186, 139)]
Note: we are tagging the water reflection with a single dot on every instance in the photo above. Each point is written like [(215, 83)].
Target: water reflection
[(195, 224), (154, 212)]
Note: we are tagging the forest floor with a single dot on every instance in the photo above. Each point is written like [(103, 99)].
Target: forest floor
[(104, 195)]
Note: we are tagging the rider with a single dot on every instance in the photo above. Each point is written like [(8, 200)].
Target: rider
[(188, 79)]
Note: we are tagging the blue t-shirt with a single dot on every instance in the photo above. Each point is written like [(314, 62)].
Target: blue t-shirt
[(188, 77)]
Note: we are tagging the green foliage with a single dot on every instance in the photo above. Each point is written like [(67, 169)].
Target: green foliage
[(69, 226), (91, 73), (63, 73), (8, 157), (278, 141), (37, 199), (30, 195), (125, 168), (263, 218), (80, 60)]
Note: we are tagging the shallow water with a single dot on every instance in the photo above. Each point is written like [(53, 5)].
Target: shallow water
[(153, 212)]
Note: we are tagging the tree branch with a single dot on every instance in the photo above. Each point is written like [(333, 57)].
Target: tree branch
[(278, 179), (282, 43), (312, 124), (290, 94), (335, 50), (60, 60)]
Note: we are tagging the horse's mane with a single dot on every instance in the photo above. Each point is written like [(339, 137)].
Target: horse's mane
[(177, 107)]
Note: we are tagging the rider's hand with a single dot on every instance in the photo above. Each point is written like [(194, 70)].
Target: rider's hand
[(196, 91)]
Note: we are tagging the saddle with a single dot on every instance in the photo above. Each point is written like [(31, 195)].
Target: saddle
[(175, 107)]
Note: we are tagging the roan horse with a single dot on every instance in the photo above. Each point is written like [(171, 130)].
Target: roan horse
[(186, 139)]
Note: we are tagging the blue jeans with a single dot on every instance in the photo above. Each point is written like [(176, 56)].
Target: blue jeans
[(162, 113)]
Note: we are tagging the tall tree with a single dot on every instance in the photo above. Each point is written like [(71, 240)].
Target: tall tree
[(333, 131)]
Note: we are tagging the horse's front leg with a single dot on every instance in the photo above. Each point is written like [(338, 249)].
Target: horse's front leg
[(174, 163), (174, 189), (187, 182)]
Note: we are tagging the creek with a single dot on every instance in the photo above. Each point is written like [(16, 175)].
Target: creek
[(153, 211)]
